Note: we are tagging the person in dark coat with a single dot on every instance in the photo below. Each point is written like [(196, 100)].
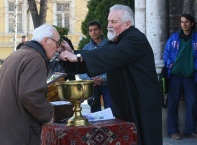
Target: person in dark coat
[(57, 65), (23, 87), (23, 40), (131, 73)]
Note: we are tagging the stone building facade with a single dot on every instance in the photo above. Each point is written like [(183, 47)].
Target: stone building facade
[(64, 13)]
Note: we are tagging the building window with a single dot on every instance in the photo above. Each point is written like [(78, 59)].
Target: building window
[(63, 17), (11, 19)]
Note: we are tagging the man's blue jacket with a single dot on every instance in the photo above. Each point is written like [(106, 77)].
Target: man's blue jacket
[(172, 48)]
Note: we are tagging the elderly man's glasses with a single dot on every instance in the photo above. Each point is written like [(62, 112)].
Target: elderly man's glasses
[(56, 42)]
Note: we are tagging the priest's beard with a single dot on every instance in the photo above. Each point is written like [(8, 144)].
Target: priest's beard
[(111, 35)]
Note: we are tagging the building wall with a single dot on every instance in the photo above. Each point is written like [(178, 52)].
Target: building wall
[(178, 7), (80, 10), (78, 13), (5, 39)]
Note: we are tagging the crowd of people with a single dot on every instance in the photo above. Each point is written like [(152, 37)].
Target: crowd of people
[(124, 74)]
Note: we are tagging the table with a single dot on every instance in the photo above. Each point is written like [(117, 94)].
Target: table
[(114, 131)]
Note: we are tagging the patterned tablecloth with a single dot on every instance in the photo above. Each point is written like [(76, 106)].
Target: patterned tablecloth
[(115, 131)]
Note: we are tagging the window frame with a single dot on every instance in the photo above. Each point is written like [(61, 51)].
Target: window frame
[(11, 11), (63, 14)]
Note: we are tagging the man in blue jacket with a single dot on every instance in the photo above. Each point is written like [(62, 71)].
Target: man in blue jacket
[(100, 81), (180, 57)]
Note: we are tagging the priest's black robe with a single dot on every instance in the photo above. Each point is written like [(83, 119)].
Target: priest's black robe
[(133, 82)]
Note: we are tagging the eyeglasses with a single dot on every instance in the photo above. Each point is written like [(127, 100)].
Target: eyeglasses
[(56, 42)]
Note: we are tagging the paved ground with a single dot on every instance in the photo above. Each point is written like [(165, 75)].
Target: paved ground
[(184, 141), (166, 139)]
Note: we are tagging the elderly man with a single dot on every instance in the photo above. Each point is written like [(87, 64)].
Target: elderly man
[(131, 74), (23, 108)]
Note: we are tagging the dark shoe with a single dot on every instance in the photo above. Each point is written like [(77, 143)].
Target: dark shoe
[(192, 135), (175, 136)]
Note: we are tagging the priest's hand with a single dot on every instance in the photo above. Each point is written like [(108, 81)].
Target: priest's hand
[(68, 56)]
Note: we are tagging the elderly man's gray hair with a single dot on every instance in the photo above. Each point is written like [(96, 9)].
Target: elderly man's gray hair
[(45, 30), (128, 14)]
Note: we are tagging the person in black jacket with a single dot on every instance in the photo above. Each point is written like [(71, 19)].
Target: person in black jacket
[(22, 42), (58, 66), (131, 73)]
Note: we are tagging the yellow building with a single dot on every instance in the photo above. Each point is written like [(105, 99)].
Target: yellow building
[(64, 13)]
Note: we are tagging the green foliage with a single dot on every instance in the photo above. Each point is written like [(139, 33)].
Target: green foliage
[(99, 10), (62, 32)]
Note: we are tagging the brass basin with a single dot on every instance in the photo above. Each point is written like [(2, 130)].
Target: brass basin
[(76, 92)]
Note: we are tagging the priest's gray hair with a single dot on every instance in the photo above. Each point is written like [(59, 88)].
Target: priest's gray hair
[(45, 30), (127, 13)]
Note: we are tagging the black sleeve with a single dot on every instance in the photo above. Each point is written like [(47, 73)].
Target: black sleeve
[(75, 67), (18, 46)]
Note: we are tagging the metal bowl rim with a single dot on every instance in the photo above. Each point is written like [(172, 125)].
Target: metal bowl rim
[(75, 82)]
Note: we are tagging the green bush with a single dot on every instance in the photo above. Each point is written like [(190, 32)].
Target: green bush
[(98, 10)]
